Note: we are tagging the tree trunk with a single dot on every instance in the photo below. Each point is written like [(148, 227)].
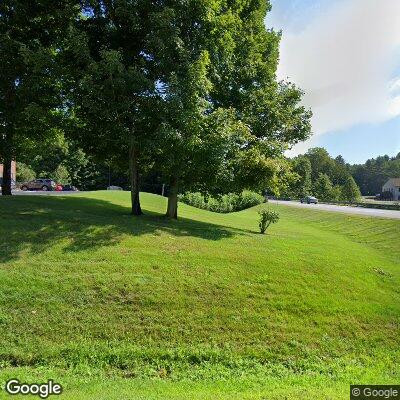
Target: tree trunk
[(172, 207), (6, 184), (134, 180)]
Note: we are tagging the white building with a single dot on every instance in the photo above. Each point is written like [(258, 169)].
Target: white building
[(392, 186)]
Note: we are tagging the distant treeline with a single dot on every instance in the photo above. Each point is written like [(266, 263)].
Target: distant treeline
[(371, 175), (332, 179), (314, 173), (317, 173)]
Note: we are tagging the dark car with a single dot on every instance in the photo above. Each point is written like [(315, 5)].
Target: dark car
[(69, 188), (39, 184), (309, 200)]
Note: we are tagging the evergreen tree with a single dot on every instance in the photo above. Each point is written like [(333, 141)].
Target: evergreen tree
[(350, 190), (322, 187)]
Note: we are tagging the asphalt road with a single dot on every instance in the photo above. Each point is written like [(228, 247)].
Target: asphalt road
[(42, 193), (369, 212)]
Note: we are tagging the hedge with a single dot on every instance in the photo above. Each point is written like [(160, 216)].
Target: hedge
[(222, 204)]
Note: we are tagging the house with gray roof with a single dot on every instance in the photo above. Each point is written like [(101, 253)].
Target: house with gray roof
[(392, 186)]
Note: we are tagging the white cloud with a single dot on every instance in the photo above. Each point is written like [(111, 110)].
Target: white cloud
[(344, 60), (394, 109)]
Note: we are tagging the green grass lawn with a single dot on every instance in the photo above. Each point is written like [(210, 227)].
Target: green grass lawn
[(114, 307)]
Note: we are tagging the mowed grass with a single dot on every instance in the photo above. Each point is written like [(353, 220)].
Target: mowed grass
[(114, 307)]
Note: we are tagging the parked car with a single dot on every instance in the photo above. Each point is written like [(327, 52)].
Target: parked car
[(39, 184), (114, 188), (309, 200), (59, 187), (69, 188)]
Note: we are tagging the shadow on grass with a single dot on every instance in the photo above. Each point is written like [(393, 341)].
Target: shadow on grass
[(33, 223)]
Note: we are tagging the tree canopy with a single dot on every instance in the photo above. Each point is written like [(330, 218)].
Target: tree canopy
[(184, 88), (373, 174), (29, 91), (238, 80)]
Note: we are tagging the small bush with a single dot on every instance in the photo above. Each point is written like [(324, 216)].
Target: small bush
[(222, 204), (267, 217), (249, 199), (194, 199)]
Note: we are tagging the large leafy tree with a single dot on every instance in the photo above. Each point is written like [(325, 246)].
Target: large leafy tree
[(197, 137), (29, 34), (233, 59), (112, 85), (321, 162), (244, 78), (303, 186)]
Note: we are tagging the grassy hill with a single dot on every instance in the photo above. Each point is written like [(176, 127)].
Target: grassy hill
[(200, 308)]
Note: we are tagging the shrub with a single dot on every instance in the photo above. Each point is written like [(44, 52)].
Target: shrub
[(194, 199), (222, 204), (267, 217), (249, 199)]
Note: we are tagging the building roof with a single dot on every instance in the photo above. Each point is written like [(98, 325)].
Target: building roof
[(393, 182)]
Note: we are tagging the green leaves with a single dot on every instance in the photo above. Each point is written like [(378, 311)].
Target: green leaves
[(189, 85), (267, 217), (30, 76), (350, 190), (323, 187)]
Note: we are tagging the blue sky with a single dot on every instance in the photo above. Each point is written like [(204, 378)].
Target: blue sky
[(345, 55)]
